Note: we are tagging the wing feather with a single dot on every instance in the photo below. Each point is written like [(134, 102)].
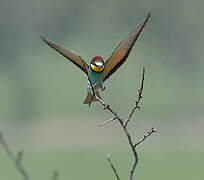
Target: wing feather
[(70, 55), (121, 52)]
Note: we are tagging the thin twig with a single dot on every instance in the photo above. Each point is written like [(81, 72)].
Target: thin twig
[(132, 170), (55, 175), (108, 121), (19, 157), (139, 98), (149, 133), (124, 125), (113, 168), (15, 160), (109, 108)]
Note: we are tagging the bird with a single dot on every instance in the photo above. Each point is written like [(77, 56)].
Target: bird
[(99, 71)]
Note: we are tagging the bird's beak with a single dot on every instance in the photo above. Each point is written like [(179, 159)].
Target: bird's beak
[(100, 66)]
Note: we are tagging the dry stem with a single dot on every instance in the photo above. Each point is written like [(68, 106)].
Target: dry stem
[(16, 160), (113, 167), (55, 175), (124, 126), (108, 121), (139, 98)]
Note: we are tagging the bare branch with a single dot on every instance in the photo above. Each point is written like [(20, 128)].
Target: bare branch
[(108, 121), (109, 108), (138, 99), (19, 157), (149, 133), (55, 175), (124, 126), (132, 170), (17, 160), (113, 168)]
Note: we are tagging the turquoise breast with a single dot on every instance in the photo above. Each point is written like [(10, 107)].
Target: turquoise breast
[(96, 77)]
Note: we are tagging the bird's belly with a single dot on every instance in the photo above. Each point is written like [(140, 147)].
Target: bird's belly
[(96, 85), (96, 77), (96, 80)]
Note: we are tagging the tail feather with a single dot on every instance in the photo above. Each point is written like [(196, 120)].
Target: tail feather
[(89, 98)]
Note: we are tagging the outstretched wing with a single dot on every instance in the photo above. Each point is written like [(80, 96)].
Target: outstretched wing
[(70, 55), (121, 52)]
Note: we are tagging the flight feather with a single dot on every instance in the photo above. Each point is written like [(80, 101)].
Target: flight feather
[(121, 52), (70, 55)]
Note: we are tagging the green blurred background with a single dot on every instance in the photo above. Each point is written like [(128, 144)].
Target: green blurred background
[(41, 93)]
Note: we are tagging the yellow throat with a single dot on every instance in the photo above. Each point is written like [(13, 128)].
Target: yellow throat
[(96, 68)]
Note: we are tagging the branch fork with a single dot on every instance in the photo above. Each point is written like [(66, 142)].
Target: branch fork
[(124, 125), (17, 160)]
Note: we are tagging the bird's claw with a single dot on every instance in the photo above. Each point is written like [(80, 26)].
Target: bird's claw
[(103, 88)]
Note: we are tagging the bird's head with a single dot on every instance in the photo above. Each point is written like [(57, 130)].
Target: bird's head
[(97, 64)]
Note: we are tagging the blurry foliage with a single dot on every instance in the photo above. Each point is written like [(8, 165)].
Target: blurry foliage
[(36, 81)]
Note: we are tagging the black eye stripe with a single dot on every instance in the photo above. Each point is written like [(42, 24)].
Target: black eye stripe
[(97, 71), (96, 64)]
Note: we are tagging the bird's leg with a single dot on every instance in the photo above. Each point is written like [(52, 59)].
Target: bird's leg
[(103, 87), (93, 86)]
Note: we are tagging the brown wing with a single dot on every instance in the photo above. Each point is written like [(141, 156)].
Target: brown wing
[(122, 51), (73, 57)]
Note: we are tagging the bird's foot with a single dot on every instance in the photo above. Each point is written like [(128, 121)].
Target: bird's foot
[(103, 88)]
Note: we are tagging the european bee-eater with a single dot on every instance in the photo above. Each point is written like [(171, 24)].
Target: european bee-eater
[(99, 71)]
